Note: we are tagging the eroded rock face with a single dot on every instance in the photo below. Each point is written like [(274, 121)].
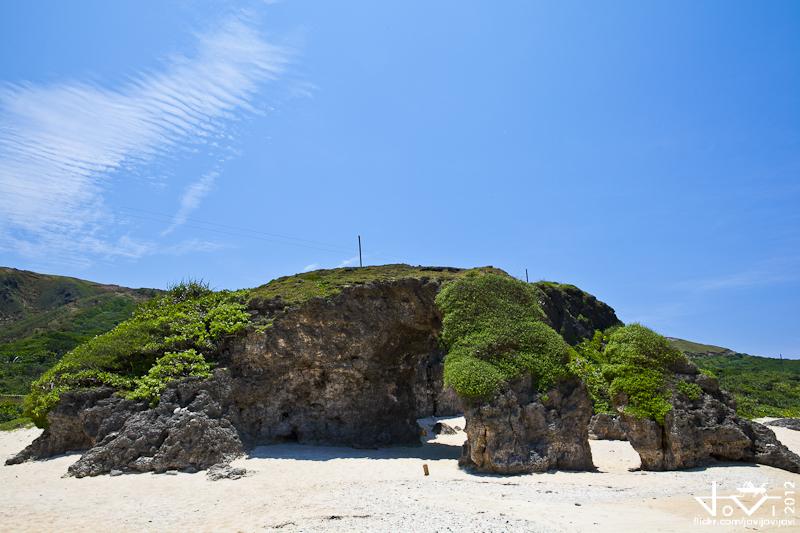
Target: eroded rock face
[(78, 422), (356, 370), (522, 431), (603, 426), (188, 430), (701, 431), (575, 314)]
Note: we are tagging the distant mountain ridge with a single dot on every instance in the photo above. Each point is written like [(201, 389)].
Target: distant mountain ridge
[(43, 316)]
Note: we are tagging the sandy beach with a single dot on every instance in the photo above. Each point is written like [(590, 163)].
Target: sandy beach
[(294, 487)]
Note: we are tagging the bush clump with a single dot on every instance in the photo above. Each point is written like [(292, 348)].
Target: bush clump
[(492, 326), (690, 390), (187, 318), (171, 367), (635, 362)]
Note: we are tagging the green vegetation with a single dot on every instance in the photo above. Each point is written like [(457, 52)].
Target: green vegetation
[(633, 361), (689, 347), (762, 386), (171, 367), (587, 362), (690, 390), (493, 329), (11, 413), (43, 317), (167, 331), (297, 289)]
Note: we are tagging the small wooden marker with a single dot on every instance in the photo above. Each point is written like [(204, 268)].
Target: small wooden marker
[(425, 469)]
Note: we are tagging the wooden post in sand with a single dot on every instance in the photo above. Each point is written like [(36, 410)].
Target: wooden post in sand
[(425, 469)]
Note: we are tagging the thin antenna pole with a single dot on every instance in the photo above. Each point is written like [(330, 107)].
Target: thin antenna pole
[(526, 276), (360, 263)]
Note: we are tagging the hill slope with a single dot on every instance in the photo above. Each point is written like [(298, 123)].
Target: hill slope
[(762, 386), (42, 317)]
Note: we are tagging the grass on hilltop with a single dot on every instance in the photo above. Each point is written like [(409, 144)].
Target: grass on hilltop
[(299, 288)]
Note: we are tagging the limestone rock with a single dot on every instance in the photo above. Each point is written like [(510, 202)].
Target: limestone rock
[(789, 423), (225, 471), (327, 369), (606, 427), (79, 420), (573, 313), (440, 428), (521, 431), (700, 431), (186, 431)]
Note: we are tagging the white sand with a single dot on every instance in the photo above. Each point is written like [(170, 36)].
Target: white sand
[(311, 488)]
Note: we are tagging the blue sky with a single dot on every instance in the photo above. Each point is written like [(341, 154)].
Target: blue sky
[(649, 154)]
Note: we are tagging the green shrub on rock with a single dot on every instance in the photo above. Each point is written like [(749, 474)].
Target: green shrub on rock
[(635, 365), (690, 390), (172, 366), (492, 326), (189, 318)]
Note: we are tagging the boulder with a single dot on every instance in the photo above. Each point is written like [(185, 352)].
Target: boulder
[(186, 431), (521, 431), (225, 471), (789, 423), (440, 428), (603, 426), (702, 430)]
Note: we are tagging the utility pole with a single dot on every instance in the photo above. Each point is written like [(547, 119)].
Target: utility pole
[(526, 276), (360, 263)]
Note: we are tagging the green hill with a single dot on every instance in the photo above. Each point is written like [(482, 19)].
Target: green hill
[(763, 386), (42, 317)]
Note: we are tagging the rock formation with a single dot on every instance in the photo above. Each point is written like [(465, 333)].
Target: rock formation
[(79, 421), (603, 426), (573, 313), (521, 431), (356, 370), (702, 428), (789, 423)]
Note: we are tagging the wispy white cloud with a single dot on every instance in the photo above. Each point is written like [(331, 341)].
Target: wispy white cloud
[(191, 199), (61, 144), (312, 266), (193, 246)]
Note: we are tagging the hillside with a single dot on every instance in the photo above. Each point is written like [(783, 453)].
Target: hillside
[(42, 317), (762, 386)]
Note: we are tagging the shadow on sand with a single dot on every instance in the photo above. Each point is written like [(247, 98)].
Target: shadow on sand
[(429, 451)]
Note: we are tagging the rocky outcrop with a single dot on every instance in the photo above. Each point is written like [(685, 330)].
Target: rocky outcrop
[(574, 313), (703, 429), (354, 370), (189, 430), (603, 426), (357, 370), (789, 423), (78, 422), (522, 431)]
